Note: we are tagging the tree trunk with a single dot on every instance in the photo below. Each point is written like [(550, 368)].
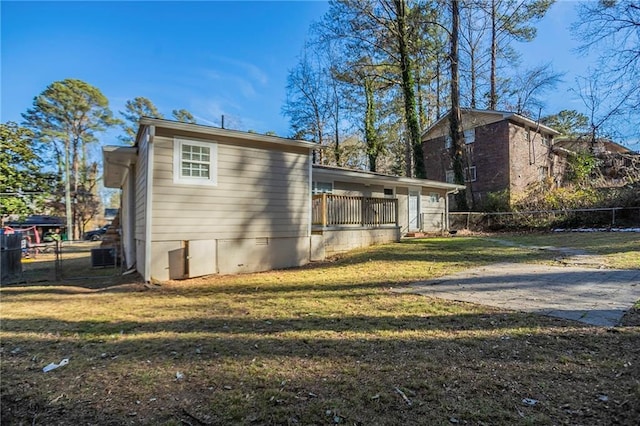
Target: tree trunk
[(455, 117), (409, 90), (493, 96), (67, 187), (370, 135), (438, 112), (337, 127)]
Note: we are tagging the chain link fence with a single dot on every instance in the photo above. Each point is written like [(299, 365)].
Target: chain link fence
[(57, 262), (618, 217)]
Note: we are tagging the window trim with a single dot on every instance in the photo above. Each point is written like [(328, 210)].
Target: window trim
[(469, 140), (448, 141), (212, 180), (449, 176), (470, 175)]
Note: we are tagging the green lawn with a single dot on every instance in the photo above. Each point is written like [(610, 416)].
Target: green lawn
[(620, 250), (325, 344)]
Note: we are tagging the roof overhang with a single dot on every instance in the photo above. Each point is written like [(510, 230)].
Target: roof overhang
[(479, 117), (117, 160), (370, 178), (216, 131)]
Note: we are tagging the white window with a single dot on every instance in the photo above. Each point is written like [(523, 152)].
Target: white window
[(322, 187), (434, 197), (195, 162), (448, 142), (450, 176), (546, 140), (470, 175), (469, 136), (388, 192)]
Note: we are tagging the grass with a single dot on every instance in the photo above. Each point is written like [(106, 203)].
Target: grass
[(325, 344), (619, 250)]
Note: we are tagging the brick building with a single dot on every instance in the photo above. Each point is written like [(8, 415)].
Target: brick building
[(504, 152)]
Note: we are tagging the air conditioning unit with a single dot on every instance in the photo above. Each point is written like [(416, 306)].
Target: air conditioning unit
[(103, 257)]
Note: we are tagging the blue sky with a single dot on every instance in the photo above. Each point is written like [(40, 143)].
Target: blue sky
[(211, 58)]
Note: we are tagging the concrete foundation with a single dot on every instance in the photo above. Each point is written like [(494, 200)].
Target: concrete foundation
[(328, 242)]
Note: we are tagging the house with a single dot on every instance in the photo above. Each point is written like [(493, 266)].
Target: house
[(37, 227), (617, 164), (364, 208), (505, 152), (199, 200)]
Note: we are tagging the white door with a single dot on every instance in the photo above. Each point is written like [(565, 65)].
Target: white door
[(414, 210)]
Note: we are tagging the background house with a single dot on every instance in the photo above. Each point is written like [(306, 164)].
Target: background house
[(199, 200), (617, 165), (505, 152)]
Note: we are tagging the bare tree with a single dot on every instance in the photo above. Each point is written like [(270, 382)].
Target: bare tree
[(528, 87), (474, 26), (604, 106), (308, 103), (511, 20), (612, 28)]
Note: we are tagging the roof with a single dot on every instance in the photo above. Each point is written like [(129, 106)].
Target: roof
[(117, 159), (360, 176), (217, 131), (485, 116), (39, 220), (601, 145)]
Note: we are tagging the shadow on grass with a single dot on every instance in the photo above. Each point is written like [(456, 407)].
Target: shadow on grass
[(242, 369), (268, 326)]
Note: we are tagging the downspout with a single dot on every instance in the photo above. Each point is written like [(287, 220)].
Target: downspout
[(131, 220), (148, 206), (310, 207), (310, 156)]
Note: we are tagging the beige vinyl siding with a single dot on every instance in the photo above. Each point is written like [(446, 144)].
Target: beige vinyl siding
[(260, 193), (357, 189), (433, 212), (141, 187)]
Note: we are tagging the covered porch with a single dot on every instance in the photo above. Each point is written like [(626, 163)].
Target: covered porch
[(333, 210)]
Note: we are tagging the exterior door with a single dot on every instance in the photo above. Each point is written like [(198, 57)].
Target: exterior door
[(414, 210)]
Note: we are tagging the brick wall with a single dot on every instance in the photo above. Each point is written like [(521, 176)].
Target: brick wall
[(530, 159), (437, 159), (506, 155)]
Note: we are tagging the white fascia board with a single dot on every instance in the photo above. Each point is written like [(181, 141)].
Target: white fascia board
[(216, 131), (355, 176)]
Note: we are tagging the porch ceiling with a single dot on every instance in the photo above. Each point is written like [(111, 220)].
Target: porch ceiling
[(116, 161), (369, 178)]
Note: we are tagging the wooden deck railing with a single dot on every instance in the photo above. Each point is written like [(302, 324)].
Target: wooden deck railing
[(337, 210)]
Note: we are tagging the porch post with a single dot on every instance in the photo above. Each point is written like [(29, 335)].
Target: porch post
[(323, 209), (364, 212), (395, 205)]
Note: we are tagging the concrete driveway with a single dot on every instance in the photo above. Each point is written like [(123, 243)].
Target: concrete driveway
[(593, 296)]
